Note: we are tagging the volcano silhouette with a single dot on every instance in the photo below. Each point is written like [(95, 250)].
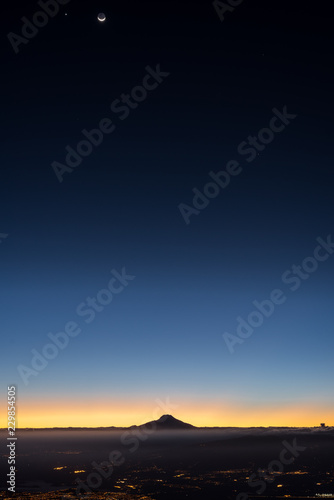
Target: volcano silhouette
[(167, 422)]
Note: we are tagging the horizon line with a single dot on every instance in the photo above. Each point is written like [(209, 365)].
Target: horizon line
[(193, 426)]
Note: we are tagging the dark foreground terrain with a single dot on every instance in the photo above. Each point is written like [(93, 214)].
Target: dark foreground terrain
[(173, 464)]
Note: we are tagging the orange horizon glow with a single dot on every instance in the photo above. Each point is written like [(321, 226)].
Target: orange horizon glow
[(64, 413)]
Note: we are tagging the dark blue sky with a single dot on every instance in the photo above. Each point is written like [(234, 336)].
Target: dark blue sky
[(163, 334)]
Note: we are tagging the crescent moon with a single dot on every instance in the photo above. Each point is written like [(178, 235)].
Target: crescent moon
[(101, 17)]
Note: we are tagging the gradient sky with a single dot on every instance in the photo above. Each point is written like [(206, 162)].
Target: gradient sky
[(162, 336)]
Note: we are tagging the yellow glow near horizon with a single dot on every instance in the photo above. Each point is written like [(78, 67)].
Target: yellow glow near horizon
[(124, 413)]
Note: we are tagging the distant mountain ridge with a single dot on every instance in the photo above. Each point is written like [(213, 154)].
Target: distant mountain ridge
[(168, 422)]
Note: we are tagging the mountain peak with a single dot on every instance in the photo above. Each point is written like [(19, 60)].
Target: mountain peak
[(163, 418), (169, 422)]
